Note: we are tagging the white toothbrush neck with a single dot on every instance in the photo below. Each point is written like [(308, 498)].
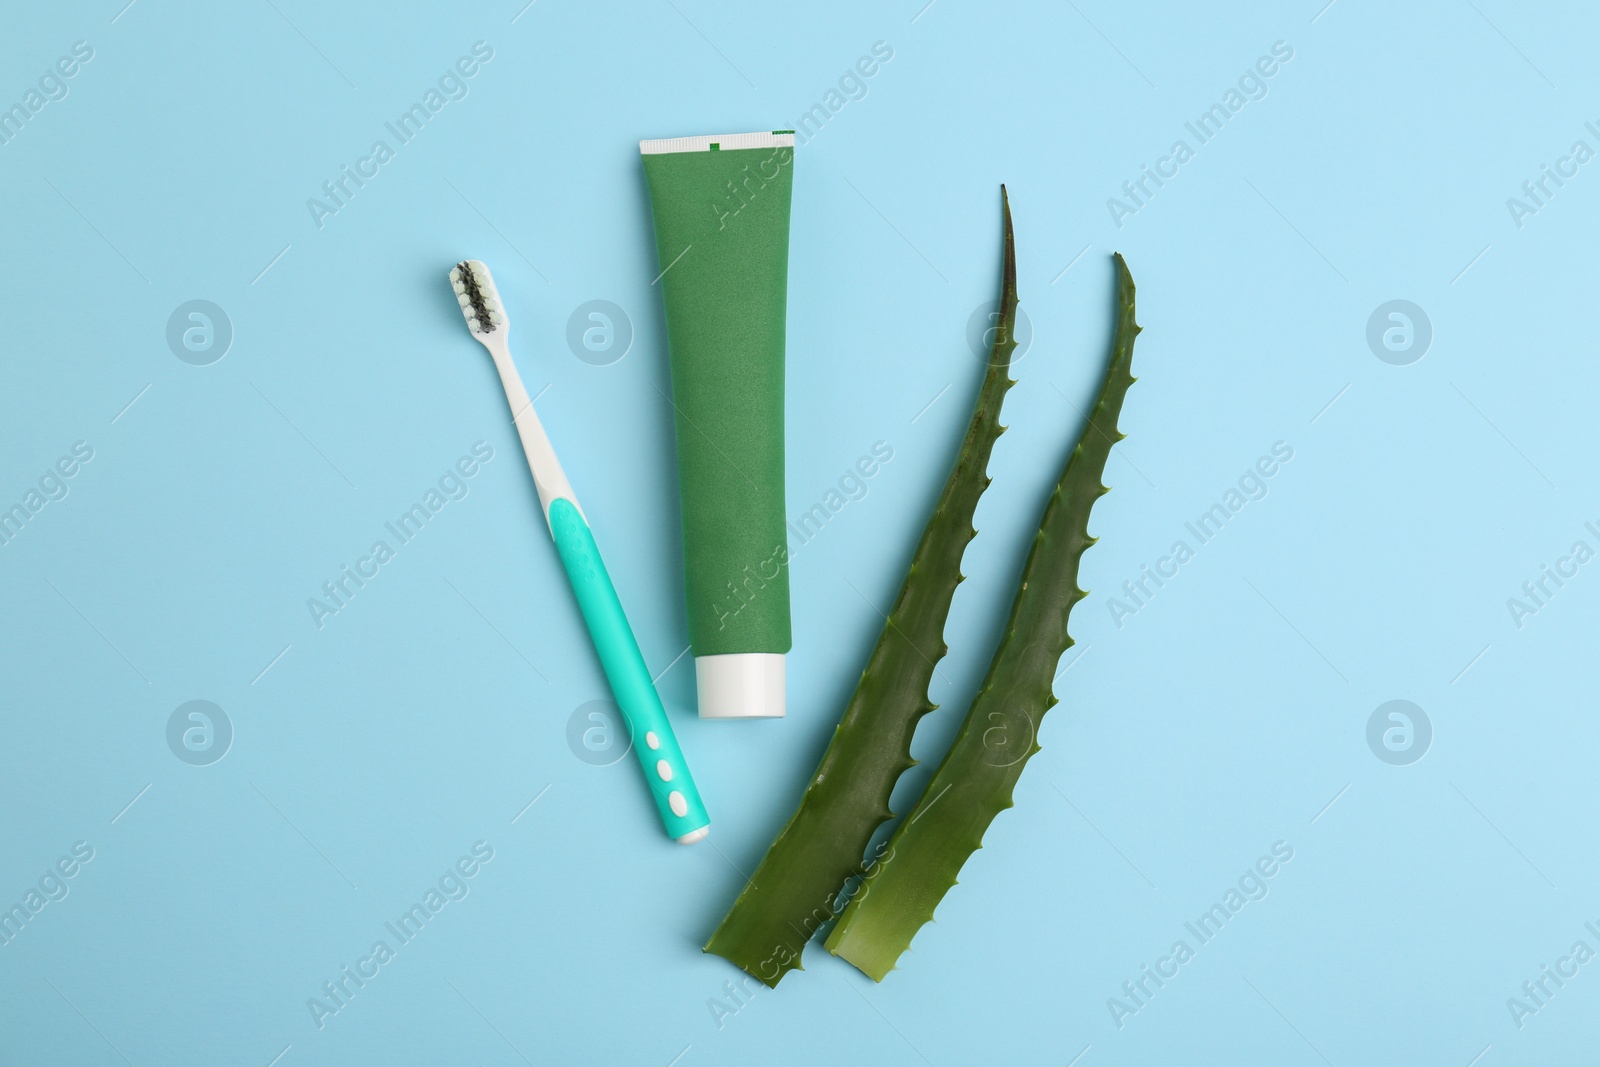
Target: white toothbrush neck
[(548, 477)]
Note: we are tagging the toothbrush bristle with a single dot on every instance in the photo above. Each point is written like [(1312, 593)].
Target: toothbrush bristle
[(479, 299)]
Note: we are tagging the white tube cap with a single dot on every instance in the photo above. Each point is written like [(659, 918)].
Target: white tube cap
[(741, 685)]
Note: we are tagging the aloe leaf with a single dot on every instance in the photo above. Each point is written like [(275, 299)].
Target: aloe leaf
[(793, 892), (1000, 732)]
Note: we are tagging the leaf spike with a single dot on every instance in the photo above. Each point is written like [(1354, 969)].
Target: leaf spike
[(941, 833)]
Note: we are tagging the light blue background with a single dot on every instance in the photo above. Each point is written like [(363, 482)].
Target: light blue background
[(1225, 716)]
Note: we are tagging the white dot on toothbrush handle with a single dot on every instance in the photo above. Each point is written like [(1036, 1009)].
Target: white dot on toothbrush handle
[(664, 769), (680, 806), (652, 740)]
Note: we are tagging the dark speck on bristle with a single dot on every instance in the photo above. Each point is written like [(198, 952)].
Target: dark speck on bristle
[(480, 307)]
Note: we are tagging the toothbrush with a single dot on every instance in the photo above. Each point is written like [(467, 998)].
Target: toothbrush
[(677, 799)]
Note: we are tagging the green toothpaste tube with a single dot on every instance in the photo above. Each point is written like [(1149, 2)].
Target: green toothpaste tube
[(721, 207)]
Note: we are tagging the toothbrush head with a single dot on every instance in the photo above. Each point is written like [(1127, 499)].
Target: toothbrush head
[(479, 299)]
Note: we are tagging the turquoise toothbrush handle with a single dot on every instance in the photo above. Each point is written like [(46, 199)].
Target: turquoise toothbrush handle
[(682, 811)]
